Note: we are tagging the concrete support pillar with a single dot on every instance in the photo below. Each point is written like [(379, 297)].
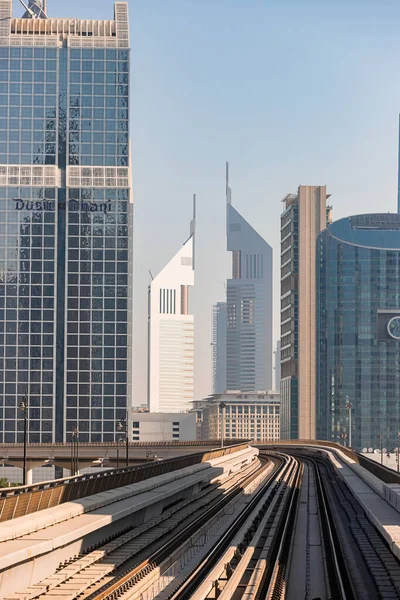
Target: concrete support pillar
[(29, 476)]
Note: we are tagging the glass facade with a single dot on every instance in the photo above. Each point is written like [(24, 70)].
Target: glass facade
[(358, 359), (66, 221)]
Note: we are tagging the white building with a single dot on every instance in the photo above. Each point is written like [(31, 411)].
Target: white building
[(253, 416), (171, 333), (163, 427)]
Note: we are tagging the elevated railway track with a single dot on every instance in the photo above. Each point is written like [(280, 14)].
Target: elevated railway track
[(285, 526)]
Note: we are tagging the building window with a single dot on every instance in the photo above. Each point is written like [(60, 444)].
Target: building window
[(135, 424), (231, 314), (167, 302)]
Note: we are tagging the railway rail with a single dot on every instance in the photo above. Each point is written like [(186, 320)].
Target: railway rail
[(296, 532), (355, 562), (125, 559)]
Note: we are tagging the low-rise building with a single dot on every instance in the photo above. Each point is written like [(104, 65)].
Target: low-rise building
[(251, 415), (163, 427)]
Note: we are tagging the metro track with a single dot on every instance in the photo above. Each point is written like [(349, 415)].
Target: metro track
[(126, 558), (299, 535), (356, 563)]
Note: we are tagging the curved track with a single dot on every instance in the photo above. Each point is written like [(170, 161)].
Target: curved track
[(297, 533)]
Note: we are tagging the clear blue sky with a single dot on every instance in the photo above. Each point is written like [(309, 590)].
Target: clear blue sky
[(290, 92)]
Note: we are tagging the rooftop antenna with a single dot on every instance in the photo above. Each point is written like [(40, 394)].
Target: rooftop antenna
[(228, 189), (193, 226), (35, 10), (398, 175)]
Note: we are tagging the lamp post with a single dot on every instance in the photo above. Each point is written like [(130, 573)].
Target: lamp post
[(380, 436), (222, 406), (344, 437), (74, 451), (25, 408), (349, 408), (123, 423), (119, 440)]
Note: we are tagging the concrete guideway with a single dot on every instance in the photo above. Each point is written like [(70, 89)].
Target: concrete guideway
[(35, 548), (325, 558), (234, 528)]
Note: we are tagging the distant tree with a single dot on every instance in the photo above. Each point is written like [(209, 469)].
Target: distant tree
[(4, 482)]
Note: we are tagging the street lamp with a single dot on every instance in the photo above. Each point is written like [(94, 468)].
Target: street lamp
[(344, 437), (121, 425), (380, 436), (222, 406), (349, 408), (74, 451), (119, 440), (23, 405)]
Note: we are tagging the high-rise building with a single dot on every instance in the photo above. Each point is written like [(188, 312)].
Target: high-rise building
[(66, 217), (358, 331), (171, 333), (305, 216), (277, 366), (219, 348), (249, 305)]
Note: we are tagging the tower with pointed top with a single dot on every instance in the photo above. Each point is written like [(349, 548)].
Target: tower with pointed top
[(249, 305), (170, 370)]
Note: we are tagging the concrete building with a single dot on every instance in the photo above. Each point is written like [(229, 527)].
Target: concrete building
[(249, 305), (66, 212), (277, 363), (171, 333), (219, 348), (163, 427), (358, 331), (252, 416), (305, 215)]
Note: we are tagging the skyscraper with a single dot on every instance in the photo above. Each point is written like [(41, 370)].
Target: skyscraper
[(305, 215), (277, 365), (66, 219), (249, 305), (171, 332), (219, 348), (358, 330)]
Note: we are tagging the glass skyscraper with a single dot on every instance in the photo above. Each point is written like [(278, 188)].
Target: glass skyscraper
[(358, 330), (249, 305), (66, 219)]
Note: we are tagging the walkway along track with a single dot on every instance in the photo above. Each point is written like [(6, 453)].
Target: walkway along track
[(129, 552)]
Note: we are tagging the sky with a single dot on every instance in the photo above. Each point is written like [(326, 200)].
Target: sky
[(289, 92)]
